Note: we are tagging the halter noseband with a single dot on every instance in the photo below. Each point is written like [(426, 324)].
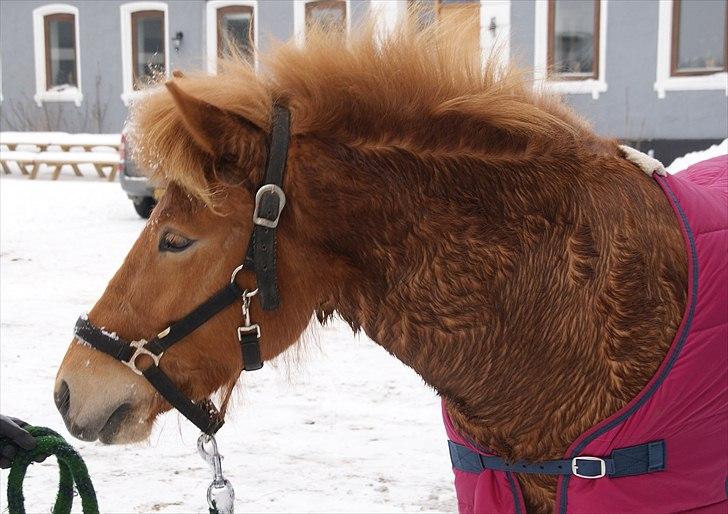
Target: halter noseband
[(260, 258)]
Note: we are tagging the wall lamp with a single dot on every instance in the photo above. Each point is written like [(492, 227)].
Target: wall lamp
[(177, 40)]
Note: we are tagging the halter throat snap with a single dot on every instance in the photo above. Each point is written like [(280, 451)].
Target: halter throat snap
[(260, 258)]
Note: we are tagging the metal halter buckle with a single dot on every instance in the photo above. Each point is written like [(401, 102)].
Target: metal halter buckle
[(265, 222), (141, 350), (575, 467)]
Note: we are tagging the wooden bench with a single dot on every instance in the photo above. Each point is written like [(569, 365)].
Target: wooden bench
[(41, 141), (57, 160)]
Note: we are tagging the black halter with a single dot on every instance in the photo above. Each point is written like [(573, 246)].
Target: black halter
[(260, 258)]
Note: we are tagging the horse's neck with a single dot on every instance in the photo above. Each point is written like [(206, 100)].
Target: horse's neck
[(536, 301)]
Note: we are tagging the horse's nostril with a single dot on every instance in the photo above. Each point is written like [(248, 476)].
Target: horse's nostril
[(114, 423), (62, 397)]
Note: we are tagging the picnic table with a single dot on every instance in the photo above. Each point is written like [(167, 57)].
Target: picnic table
[(101, 150)]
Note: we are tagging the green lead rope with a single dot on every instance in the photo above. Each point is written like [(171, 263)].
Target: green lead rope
[(72, 470)]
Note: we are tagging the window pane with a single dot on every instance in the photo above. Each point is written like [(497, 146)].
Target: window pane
[(327, 14), (236, 27), (701, 32), (466, 15), (149, 46), (424, 11), (61, 51), (573, 36)]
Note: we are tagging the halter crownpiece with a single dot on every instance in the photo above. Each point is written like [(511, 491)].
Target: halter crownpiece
[(260, 258)]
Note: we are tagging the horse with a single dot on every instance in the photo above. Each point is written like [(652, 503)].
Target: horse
[(467, 222)]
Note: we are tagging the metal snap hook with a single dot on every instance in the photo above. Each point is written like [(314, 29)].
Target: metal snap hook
[(220, 492)]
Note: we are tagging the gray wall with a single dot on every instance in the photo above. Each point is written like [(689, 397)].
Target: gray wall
[(100, 49), (630, 109), (276, 22)]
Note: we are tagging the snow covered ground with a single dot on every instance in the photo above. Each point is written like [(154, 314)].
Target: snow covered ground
[(339, 427), (336, 426)]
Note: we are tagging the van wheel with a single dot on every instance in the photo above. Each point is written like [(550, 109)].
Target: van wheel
[(144, 205)]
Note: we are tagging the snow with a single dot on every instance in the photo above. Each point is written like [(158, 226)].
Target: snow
[(59, 138), (686, 160), (338, 425)]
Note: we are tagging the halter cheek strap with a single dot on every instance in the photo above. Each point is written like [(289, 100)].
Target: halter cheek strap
[(260, 258), (269, 202)]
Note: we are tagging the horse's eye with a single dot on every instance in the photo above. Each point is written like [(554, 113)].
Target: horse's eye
[(171, 242)]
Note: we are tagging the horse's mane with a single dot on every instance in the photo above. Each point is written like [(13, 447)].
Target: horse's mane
[(373, 91)]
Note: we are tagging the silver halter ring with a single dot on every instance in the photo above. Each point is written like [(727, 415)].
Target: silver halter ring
[(246, 294)]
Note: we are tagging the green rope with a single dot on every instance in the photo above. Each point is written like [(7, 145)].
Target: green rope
[(72, 470)]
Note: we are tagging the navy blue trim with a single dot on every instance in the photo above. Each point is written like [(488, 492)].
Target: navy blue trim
[(673, 357), (514, 491)]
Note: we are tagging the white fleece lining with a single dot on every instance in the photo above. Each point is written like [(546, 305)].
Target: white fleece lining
[(646, 163)]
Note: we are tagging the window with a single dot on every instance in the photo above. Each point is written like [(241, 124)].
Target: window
[(330, 15), (573, 39), (692, 46), (230, 22), (699, 37), (570, 39), (463, 12), (147, 42), (144, 46), (487, 21), (60, 51), (57, 59), (235, 28)]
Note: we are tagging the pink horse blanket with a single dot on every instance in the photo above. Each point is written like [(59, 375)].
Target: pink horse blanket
[(685, 404)]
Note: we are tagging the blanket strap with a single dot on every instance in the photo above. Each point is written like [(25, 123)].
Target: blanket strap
[(634, 460)]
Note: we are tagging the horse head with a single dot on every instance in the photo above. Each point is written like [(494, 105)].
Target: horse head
[(188, 250)]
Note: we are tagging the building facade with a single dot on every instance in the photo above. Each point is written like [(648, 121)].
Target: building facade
[(652, 72)]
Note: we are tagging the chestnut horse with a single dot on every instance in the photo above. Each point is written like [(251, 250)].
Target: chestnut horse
[(475, 228)]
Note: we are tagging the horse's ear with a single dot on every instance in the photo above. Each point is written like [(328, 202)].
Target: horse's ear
[(208, 125)]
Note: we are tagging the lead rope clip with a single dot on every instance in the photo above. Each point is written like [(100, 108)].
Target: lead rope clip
[(220, 493), (248, 327)]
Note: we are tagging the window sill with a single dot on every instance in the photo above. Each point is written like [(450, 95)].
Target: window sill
[(576, 87), (692, 83), (66, 95), (128, 97)]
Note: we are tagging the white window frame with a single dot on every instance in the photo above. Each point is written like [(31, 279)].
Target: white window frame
[(126, 10), (499, 10), (593, 86), (211, 28), (42, 94), (665, 82), (299, 19)]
